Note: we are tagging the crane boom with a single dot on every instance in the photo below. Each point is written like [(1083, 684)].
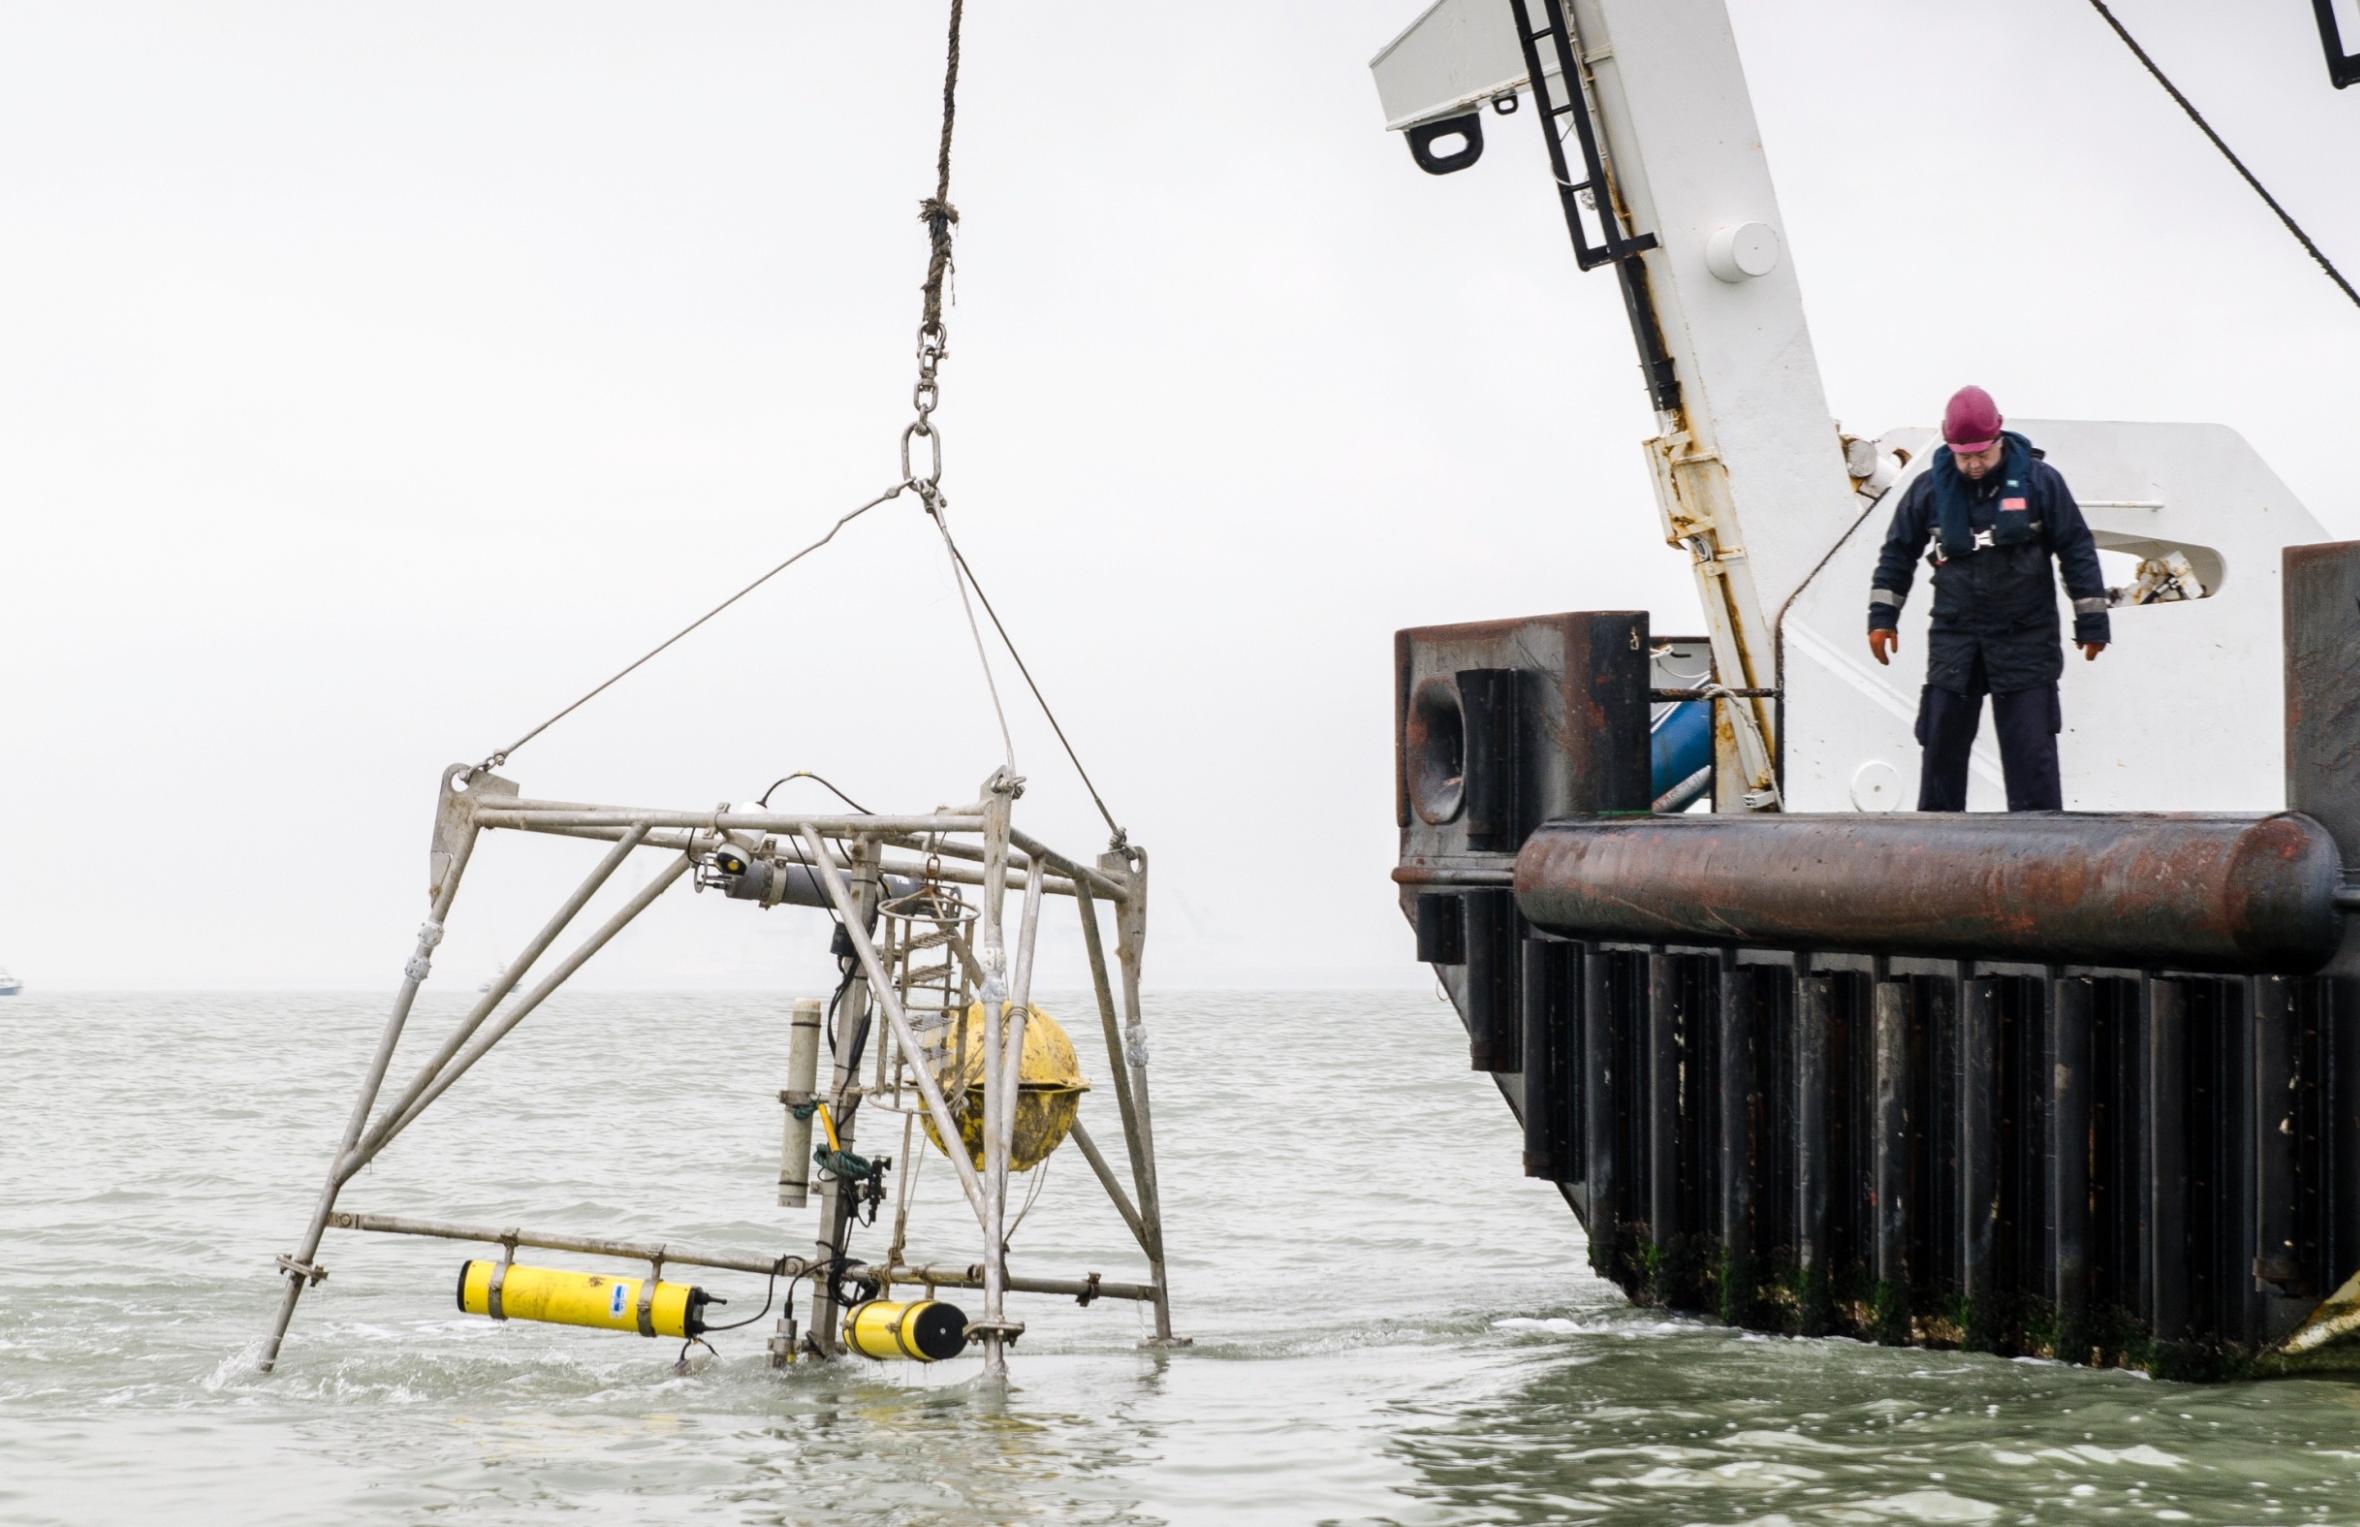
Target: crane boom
[(1684, 208)]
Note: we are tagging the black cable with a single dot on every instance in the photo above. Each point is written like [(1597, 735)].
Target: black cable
[(1120, 837), (2236, 163), (769, 1297), (827, 1025), (845, 964), (831, 789)]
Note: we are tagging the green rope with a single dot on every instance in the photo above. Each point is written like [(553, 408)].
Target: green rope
[(848, 1166)]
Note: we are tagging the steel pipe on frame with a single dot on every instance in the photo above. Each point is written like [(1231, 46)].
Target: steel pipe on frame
[(506, 982), (879, 984), (301, 1267), (387, 1131)]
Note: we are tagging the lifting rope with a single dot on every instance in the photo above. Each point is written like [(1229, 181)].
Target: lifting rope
[(937, 212), (939, 215), (2235, 163)]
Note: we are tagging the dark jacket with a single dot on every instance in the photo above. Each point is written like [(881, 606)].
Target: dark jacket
[(1999, 602)]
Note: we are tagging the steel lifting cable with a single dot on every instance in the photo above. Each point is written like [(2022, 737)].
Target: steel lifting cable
[(2227, 153), (494, 760), (991, 684), (938, 214), (1121, 838)]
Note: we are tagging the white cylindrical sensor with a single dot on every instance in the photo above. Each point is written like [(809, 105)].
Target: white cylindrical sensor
[(794, 1164)]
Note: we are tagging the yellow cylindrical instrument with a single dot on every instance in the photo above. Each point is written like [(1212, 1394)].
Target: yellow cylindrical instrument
[(566, 1297), (923, 1330)]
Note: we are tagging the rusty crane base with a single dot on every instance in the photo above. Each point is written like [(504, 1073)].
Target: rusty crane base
[(2083, 1086)]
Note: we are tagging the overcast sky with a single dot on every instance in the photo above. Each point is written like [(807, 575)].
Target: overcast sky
[(374, 378)]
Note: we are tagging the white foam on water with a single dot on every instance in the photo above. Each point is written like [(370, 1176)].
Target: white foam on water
[(1929, 1506), (1791, 1442), (1562, 1325)]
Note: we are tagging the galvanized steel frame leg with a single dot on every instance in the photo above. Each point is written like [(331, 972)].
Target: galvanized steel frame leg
[(300, 1269), (558, 921), (1011, 1078), (881, 991), (852, 1014), (1003, 1070), (999, 800), (1111, 1023), (1149, 1232), (1104, 1171), (385, 1131), (1130, 951)]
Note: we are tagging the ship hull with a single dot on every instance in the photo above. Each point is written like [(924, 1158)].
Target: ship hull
[(2073, 1087)]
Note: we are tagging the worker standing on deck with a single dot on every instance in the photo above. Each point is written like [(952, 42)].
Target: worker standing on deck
[(1996, 513)]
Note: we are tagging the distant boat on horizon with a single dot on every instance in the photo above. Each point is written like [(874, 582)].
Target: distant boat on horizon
[(9, 985)]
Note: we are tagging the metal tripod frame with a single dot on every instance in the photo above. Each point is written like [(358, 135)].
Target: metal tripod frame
[(847, 855)]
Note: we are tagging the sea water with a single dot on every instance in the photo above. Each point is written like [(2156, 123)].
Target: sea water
[(1390, 1322)]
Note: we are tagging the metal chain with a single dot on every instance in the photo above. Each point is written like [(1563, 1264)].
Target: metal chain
[(933, 345)]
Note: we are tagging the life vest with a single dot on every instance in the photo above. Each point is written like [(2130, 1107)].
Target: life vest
[(2012, 520)]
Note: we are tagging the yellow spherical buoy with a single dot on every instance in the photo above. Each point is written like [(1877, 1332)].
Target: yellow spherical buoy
[(1048, 1094)]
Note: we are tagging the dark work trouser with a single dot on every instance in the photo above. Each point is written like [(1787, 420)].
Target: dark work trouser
[(2027, 721)]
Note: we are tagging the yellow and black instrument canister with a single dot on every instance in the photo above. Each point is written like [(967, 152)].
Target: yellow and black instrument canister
[(566, 1297), (922, 1330)]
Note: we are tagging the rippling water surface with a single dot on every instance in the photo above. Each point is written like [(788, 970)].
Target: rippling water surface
[(1390, 1323)]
